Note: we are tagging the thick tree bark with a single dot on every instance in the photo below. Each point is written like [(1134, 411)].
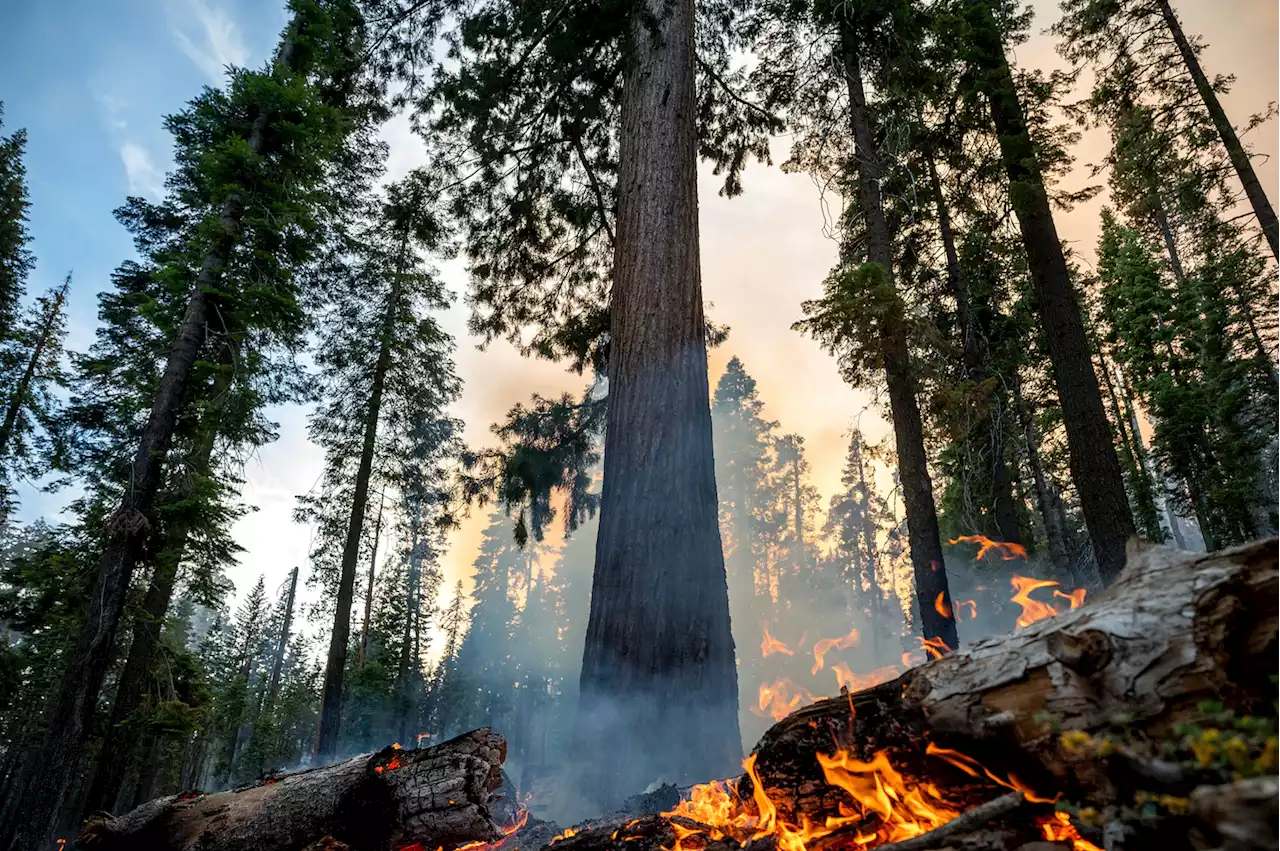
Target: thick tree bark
[(659, 690), (936, 616), (19, 396), (335, 667), (52, 774), (1235, 150), (1095, 469), (437, 797)]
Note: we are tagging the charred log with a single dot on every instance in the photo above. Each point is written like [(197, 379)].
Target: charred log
[(437, 797)]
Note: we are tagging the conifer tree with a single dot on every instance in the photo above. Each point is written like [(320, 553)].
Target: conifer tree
[(16, 259), (388, 378), (259, 183), (1094, 466)]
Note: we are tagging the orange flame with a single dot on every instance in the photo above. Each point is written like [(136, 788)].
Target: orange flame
[(857, 682), (941, 605), (771, 645), (568, 831), (935, 647), (507, 830), (1034, 610), (779, 699), (828, 644), (971, 766), (885, 806), (390, 766), (973, 608), (1007, 552), (1076, 597), (1057, 827), (422, 736)]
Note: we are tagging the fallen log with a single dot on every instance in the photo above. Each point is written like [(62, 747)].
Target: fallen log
[(1176, 630), (432, 797)]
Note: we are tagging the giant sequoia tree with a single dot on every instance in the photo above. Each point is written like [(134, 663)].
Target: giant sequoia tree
[(575, 131)]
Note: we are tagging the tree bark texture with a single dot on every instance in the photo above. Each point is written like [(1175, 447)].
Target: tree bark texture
[(335, 667), (437, 797), (659, 690), (1095, 469), (1235, 150), (932, 594)]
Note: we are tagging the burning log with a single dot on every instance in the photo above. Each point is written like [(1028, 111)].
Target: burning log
[(972, 750), (1176, 630), (428, 798)]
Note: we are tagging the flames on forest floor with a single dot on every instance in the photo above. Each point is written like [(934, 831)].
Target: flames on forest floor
[(885, 806)]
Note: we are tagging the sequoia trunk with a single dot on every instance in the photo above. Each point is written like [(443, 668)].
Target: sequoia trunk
[(1095, 469), (659, 691), (932, 594)]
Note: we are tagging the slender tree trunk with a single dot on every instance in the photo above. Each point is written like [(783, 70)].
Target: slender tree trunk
[(1235, 150), (19, 397), (368, 597), (45, 797), (412, 613), (1095, 468), (937, 619), (1047, 500), (659, 690), (869, 544), (335, 667), (120, 748), (282, 643)]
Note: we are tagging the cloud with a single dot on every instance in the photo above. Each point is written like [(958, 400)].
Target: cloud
[(144, 178), (208, 35)]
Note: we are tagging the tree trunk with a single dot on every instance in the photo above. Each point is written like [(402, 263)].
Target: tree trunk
[(28, 375), (436, 797), (129, 529), (373, 569), (1095, 469), (659, 689), (1047, 499), (335, 667), (282, 644), (932, 594), (1235, 151), (412, 613), (120, 747), (868, 528)]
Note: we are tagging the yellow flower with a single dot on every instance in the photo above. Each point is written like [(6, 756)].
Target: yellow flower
[(1088, 814), (1105, 747), (1174, 805), (1204, 751), (1211, 735), (1074, 740)]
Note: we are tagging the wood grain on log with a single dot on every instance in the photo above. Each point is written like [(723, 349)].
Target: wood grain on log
[(438, 796)]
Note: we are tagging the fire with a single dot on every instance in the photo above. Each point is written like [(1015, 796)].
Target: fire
[(779, 699), (390, 766), (827, 644), (1008, 552), (1034, 610), (972, 767), (568, 831), (422, 737), (857, 682), (1058, 828), (771, 645), (941, 605), (885, 806), (973, 608), (935, 647), (507, 830)]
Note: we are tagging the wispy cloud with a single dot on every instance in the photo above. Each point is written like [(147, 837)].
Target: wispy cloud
[(208, 35), (144, 178)]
